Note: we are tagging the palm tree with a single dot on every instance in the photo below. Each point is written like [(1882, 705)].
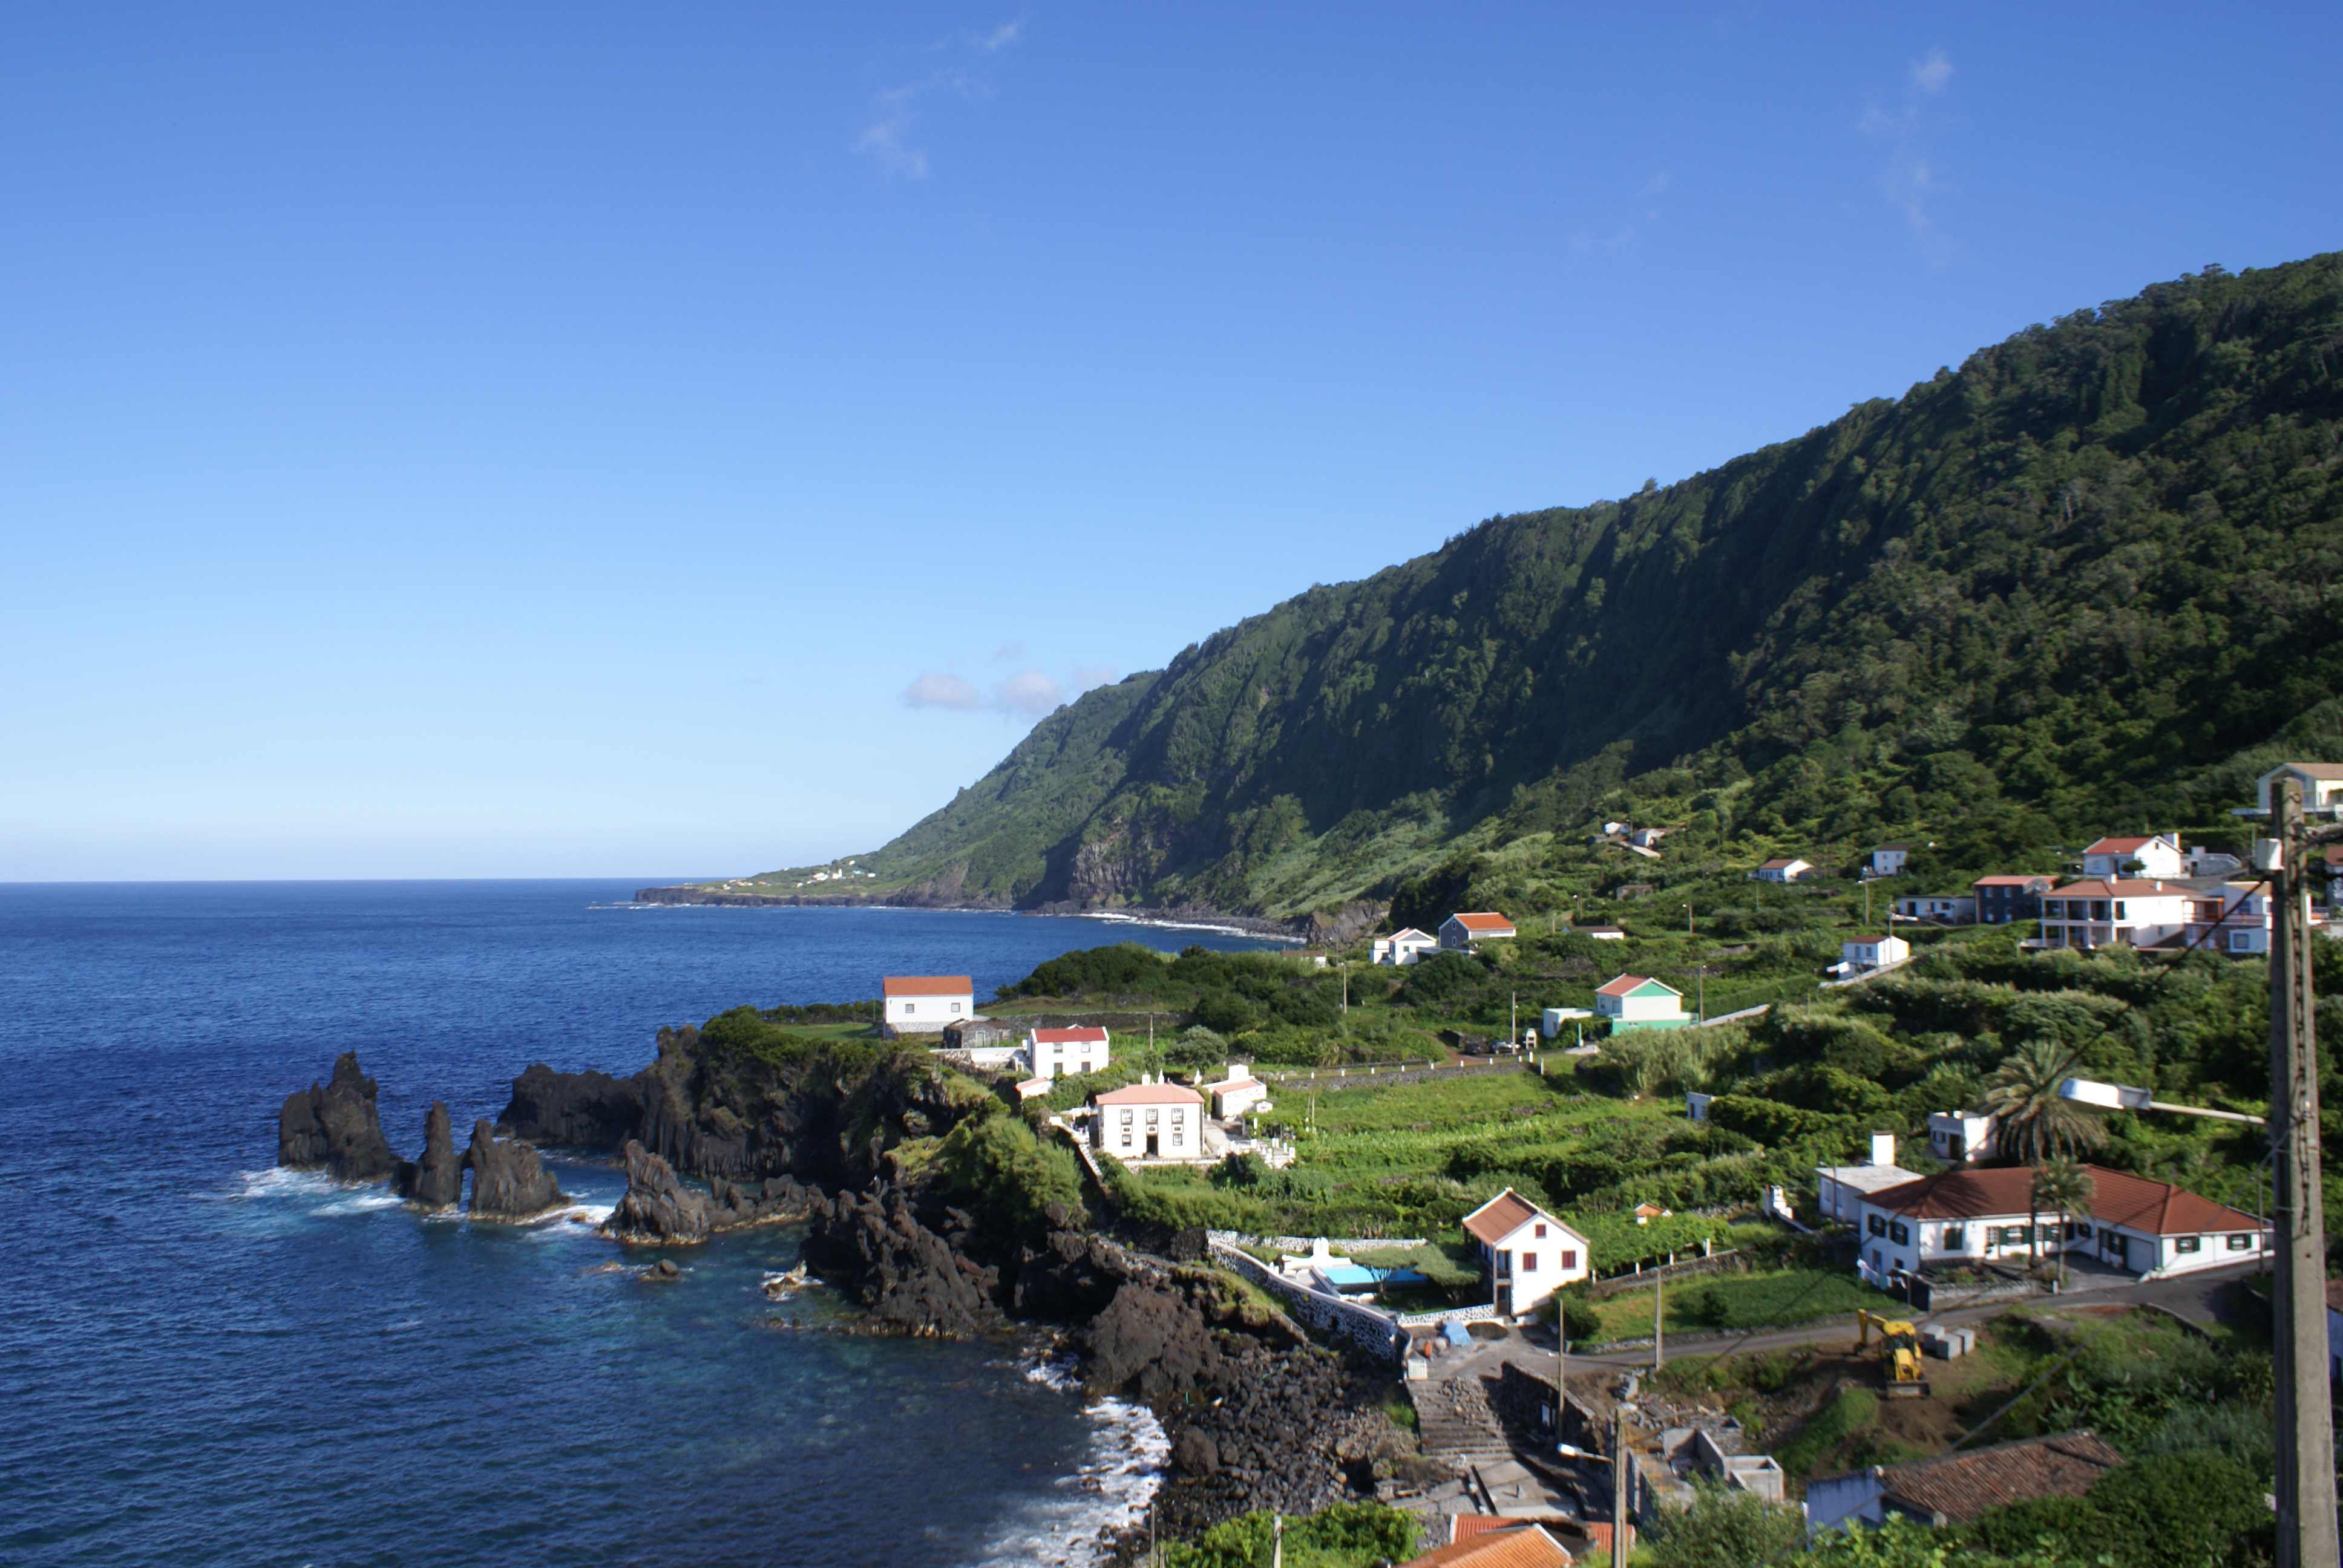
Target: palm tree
[(2035, 1121), (2065, 1186)]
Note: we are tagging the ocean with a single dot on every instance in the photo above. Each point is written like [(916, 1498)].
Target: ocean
[(206, 1361)]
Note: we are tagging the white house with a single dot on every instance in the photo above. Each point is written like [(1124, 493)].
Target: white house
[(1150, 1122), (1696, 1104), (1636, 1002), (1527, 1253), (2322, 783), (1551, 1019), (1459, 932), (2154, 856), (1945, 909), (1839, 1189), (2136, 913), (1784, 869), (1965, 1216), (1600, 933), (2001, 900), (1055, 1051), (1648, 838), (1959, 1137), (1237, 1093), (1888, 860), (1872, 952), (923, 1004), (1403, 948)]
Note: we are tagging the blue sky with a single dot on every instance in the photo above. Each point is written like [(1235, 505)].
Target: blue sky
[(587, 439)]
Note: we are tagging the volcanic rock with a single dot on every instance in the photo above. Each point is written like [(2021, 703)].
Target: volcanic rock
[(560, 1110), (508, 1181), (657, 1206), (335, 1127), (434, 1178), (875, 1250), (1150, 1339)]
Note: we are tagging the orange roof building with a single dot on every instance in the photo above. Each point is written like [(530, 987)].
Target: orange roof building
[(1459, 931), (1960, 1217), (924, 1004), (1505, 1543)]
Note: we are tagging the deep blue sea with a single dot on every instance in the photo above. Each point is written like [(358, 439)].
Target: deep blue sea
[(204, 1361)]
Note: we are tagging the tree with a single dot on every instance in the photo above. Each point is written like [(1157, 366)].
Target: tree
[(2065, 1186), (1723, 1529), (2035, 1120)]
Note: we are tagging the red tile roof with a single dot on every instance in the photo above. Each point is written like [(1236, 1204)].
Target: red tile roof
[(1626, 983), (1524, 1545), (1150, 1095), (1069, 1036), (1500, 1217), (927, 985), (1778, 862), (1961, 1486), (2119, 1199), (1484, 921), (2118, 846)]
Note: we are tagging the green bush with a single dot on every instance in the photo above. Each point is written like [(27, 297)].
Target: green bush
[(1005, 1172), (1345, 1535), (1722, 1529)]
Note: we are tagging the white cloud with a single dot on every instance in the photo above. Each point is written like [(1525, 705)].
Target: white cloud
[(888, 137), (935, 688), (1028, 691), (1914, 178)]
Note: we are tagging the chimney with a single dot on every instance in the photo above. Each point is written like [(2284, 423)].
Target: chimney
[(1882, 1148)]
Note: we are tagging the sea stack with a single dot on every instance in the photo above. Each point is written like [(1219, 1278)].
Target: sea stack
[(508, 1181), (657, 1206), (335, 1127), (434, 1178)]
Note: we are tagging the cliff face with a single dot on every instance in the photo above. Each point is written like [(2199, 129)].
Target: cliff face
[(2096, 559)]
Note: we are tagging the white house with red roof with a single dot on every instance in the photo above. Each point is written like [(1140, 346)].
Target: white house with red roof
[(1461, 931), (1784, 869), (1402, 947), (2132, 912), (1148, 1120), (1527, 1253), (923, 1004), (1051, 1051), (1638, 1001), (1969, 1215), (1887, 860), (2157, 856)]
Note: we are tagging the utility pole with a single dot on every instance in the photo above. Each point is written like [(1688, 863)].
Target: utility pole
[(2307, 1533), (1620, 1466), (1659, 1288), (1277, 1541)]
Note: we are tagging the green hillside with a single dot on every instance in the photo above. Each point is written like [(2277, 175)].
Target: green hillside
[(2085, 583)]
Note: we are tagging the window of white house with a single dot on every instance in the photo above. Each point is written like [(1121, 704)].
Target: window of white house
[(2187, 1243), (909, 1008), (1876, 1226), (1539, 1231), (1898, 1233), (955, 1007), (1126, 1118), (1086, 1067), (1569, 1258), (1179, 1116), (2119, 910), (2241, 1243), (2239, 941), (2083, 1229), (1952, 1238), (1126, 1138), (1505, 1263), (1150, 1119), (1529, 1262)]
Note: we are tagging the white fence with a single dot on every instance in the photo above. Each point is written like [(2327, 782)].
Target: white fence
[(1485, 1312), (1377, 1333), (1302, 1244)]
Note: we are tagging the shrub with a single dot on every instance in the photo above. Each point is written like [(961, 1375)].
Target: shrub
[(1344, 1535)]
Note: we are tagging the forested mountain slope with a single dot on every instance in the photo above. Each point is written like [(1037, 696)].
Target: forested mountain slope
[(2056, 591)]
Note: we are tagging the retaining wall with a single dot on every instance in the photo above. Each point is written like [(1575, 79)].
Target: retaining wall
[(1369, 1330), (1728, 1261)]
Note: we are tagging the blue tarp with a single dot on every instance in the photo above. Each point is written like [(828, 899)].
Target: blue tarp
[(1455, 1332)]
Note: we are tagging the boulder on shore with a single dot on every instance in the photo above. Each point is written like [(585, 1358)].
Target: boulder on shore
[(508, 1181), (873, 1248), (435, 1178), (335, 1127)]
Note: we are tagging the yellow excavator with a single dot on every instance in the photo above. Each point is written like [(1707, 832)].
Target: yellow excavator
[(1899, 1349)]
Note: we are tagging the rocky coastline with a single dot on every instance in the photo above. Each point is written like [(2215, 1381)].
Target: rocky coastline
[(1333, 929), (1258, 1416)]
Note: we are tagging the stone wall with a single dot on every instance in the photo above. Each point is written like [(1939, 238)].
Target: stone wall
[(1375, 1333)]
